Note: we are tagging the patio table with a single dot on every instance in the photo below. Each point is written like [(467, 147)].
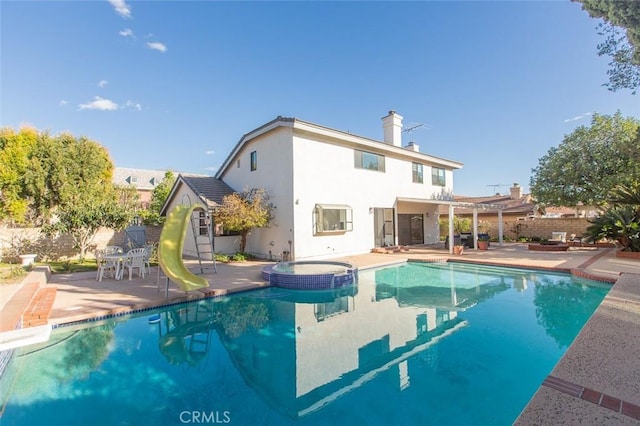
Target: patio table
[(118, 260)]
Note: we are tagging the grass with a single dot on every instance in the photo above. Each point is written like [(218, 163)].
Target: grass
[(66, 266), (11, 273)]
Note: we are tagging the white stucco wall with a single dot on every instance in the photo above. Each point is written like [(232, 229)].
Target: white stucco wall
[(274, 173), (324, 173)]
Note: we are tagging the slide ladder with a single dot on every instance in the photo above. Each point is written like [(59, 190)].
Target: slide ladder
[(201, 226), (171, 246)]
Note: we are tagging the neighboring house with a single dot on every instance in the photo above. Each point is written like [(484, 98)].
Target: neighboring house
[(519, 206), (514, 206), (520, 215), (566, 212), (144, 181)]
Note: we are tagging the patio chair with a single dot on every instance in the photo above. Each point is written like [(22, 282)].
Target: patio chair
[(106, 267), (135, 259), (576, 240), (113, 250), (147, 257)]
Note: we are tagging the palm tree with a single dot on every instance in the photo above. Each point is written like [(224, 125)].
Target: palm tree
[(621, 222)]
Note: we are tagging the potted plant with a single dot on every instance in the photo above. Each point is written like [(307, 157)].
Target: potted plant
[(483, 242)]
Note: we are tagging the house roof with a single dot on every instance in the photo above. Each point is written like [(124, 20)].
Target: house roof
[(138, 178), (210, 189), (345, 137)]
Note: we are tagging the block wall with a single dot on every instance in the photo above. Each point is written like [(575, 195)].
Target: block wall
[(14, 241), (538, 227)]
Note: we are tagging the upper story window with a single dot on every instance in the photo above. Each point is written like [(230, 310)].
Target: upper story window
[(437, 177), (333, 218), (254, 160), (369, 161), (416, 171)]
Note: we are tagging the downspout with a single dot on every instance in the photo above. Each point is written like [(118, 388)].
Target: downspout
[(395, 223)]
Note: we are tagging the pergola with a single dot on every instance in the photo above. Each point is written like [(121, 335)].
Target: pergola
[(474, 207), (452, 205)]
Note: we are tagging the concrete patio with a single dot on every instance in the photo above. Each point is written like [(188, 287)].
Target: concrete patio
[(596, 382)]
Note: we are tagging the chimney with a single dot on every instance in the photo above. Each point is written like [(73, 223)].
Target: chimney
[(516, 191), (392, 125), (413, 147)]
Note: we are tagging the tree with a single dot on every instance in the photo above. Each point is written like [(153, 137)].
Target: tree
[(242, 212), (16, 149), (622, 40), (84, 218), (151, 215), (562, 307), (589, 163), (64, 170)]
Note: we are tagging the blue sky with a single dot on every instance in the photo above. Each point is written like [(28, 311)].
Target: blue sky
[(174, 85)]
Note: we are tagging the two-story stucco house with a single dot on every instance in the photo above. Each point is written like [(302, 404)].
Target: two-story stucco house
[(335, 193)]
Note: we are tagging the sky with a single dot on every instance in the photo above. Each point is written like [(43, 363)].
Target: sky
[(173, 85)]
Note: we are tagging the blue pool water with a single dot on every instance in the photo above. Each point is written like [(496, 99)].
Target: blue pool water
[(424, 344)]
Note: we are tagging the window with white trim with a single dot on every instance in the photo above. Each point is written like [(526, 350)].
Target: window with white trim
[(416, 172), (333, 218), (437, 177), (254, 161), (369, 161)]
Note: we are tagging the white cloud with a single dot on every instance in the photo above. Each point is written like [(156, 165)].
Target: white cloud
[(121, 7), (126, 33), (157, 46), (100, 104), (212, 168), (63, 102), (134, 105), (210, 152), (102, 83), (578, 117)]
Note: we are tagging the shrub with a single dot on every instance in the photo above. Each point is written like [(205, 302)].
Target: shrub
[(239, 257), (618, 223)]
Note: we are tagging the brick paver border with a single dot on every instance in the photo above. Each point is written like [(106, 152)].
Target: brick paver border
[(607, 401)]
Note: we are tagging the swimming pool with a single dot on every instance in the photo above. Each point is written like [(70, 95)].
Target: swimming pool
[(418, 343)]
